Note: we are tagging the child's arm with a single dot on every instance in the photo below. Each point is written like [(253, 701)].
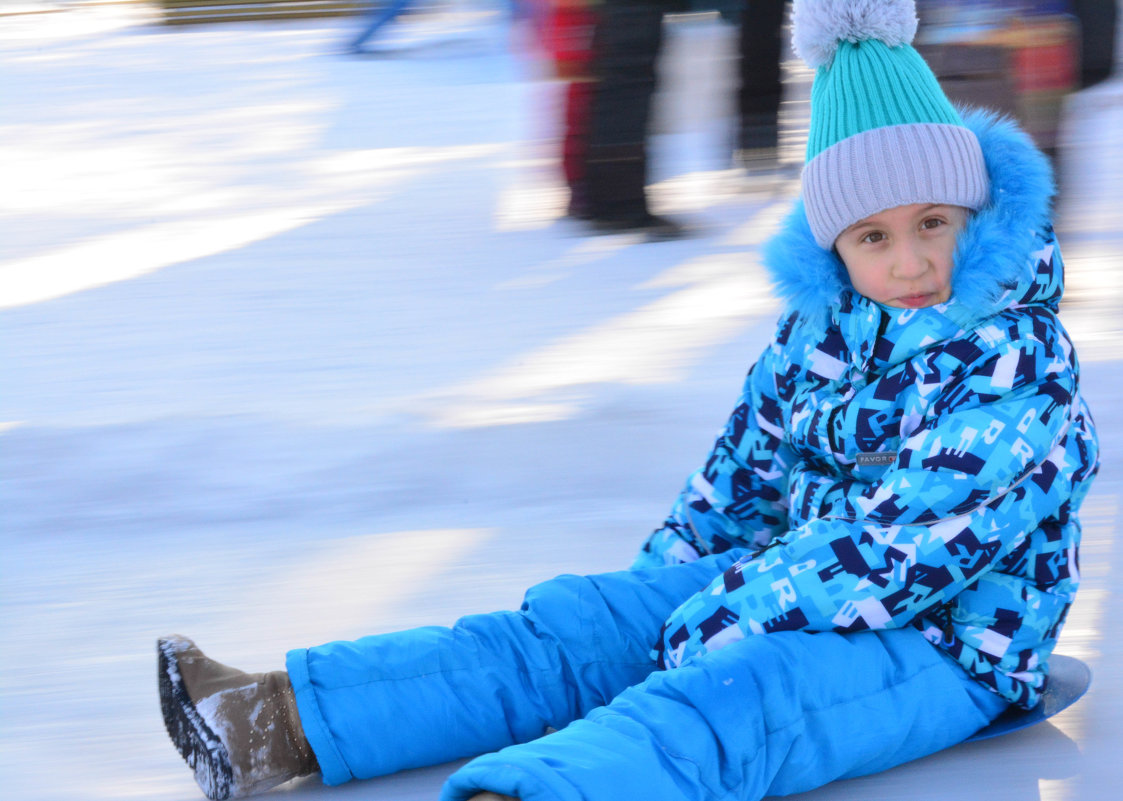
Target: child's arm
[(963, 494), (739, 498)]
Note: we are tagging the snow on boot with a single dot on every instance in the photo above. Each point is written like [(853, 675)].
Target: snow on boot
[(239, 732)]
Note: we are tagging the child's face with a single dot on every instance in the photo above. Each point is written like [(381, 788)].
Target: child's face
[(902, 257)]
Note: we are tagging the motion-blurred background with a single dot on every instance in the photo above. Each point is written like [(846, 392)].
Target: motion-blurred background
[(298, 344)]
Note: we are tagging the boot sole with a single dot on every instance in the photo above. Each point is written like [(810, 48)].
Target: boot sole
[(192, 737)]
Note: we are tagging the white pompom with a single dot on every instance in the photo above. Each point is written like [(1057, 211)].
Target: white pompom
[(819, 25)]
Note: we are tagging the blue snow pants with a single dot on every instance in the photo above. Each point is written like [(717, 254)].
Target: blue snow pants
[(769, 715)]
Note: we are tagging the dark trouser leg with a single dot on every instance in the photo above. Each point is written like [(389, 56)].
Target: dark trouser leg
[(626, 45), (760, 89), (575, 144)]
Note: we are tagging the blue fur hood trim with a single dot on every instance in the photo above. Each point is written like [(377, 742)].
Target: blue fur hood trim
[(993, 250)]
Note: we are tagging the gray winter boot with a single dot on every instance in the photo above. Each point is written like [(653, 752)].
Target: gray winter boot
[(239, 732)]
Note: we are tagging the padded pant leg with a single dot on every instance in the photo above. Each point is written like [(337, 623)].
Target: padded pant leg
[(769, 715), (424, 696)]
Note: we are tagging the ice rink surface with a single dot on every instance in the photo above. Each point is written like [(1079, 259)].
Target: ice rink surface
[(296, 346)]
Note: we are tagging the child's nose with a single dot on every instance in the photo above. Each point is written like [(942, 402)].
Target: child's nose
[(910, 262)]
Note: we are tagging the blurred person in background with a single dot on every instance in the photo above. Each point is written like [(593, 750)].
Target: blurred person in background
[(873, 563), (568, 37), (627, 40), (760, 87), (1022, 57), (380, 14), (1098, 21)]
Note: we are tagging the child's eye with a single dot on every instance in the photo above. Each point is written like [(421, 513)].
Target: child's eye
[(873, 237), (933, 222)]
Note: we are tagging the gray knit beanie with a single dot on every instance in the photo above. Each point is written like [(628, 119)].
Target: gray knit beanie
[(882, 132)]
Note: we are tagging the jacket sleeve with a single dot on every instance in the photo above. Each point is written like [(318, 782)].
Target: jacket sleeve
[(738, 498), (995, 456)]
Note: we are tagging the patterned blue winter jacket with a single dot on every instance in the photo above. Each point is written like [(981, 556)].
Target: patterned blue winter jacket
[(890, 467)]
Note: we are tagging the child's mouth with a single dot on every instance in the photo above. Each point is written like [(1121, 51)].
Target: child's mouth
[(915, 301)]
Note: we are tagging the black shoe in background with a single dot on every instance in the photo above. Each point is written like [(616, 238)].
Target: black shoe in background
[(656, 228)]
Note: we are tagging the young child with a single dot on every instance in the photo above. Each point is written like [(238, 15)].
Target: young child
[(874, 562)]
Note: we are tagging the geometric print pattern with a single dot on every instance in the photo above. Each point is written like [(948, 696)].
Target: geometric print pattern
[(909, 467)]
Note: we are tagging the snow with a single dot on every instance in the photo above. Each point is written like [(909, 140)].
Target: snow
[(296, 347)]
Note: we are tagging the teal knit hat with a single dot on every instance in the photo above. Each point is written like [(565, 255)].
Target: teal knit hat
[(882, 132)]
